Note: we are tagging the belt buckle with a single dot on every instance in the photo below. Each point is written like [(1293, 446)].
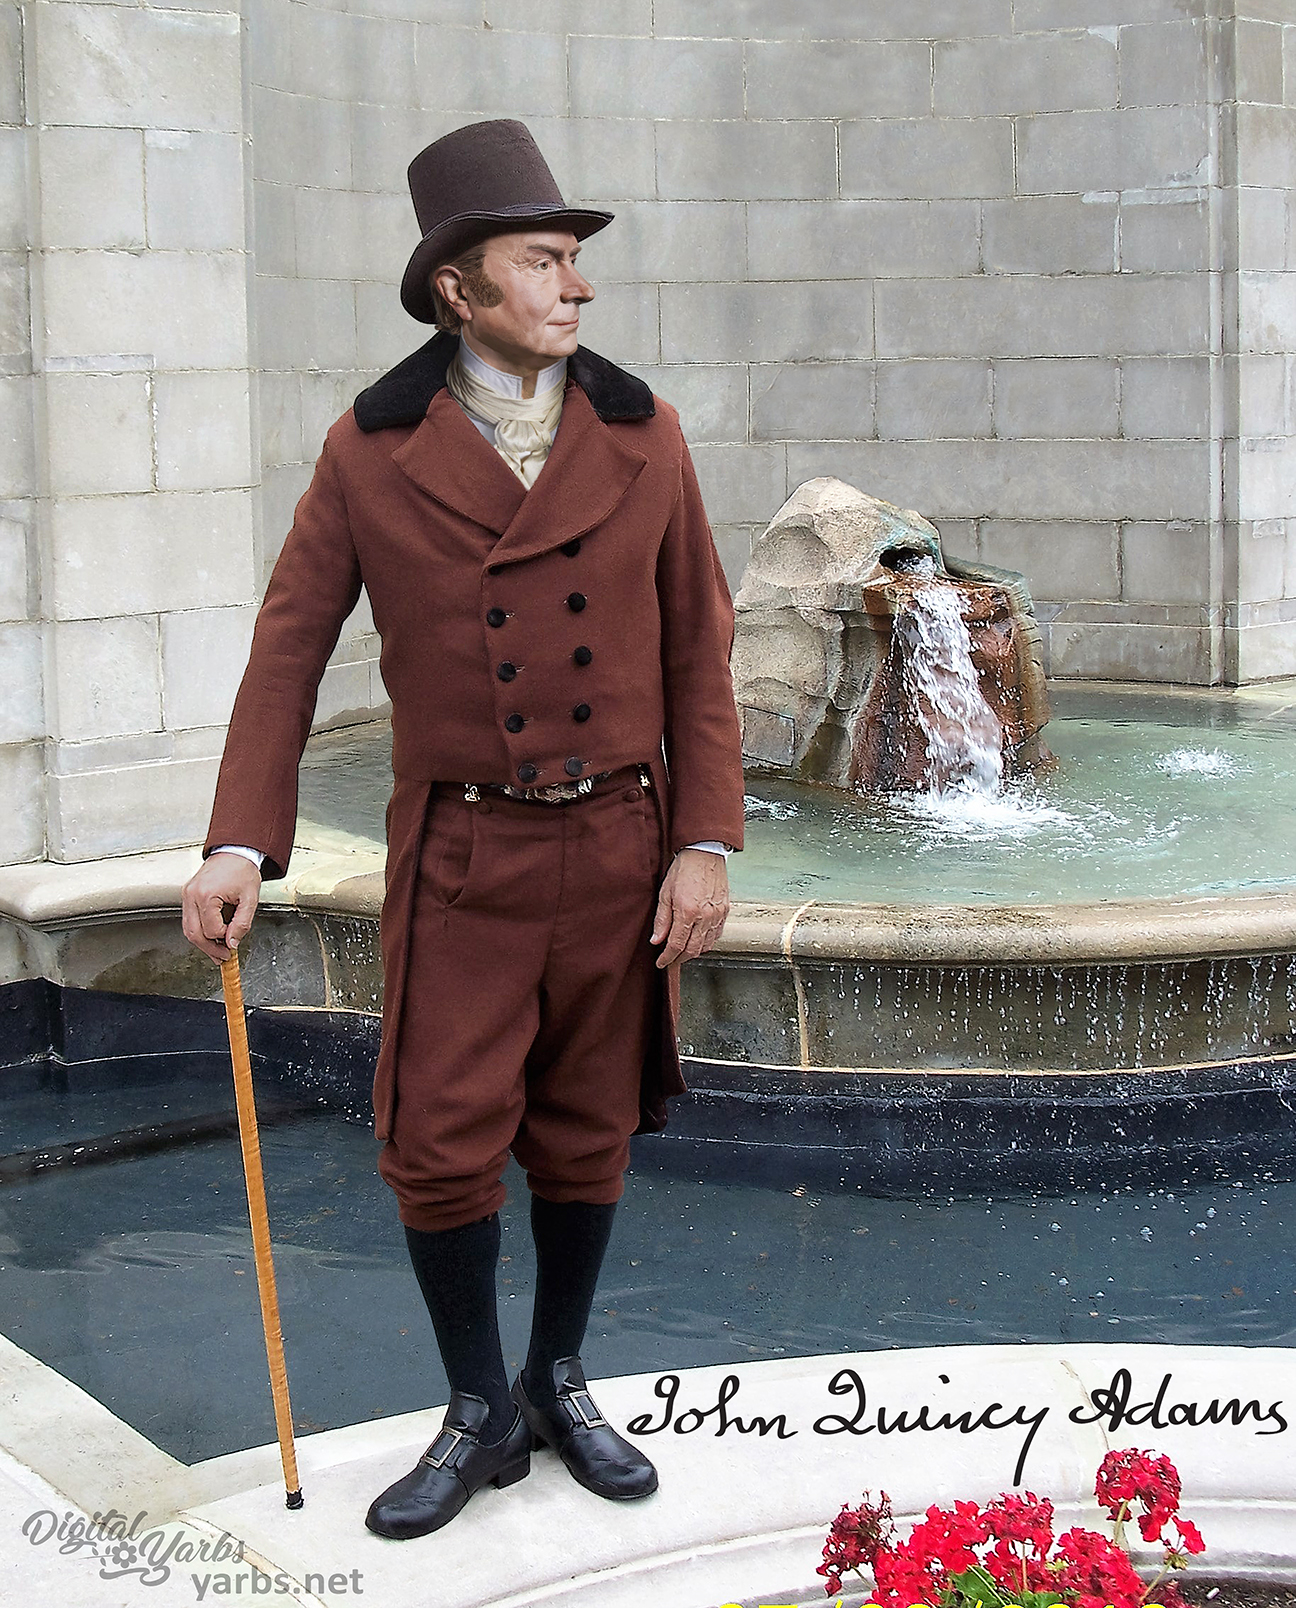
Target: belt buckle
[(553, 792), (562, 792)]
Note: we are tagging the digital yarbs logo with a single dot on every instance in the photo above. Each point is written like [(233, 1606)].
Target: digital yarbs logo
[(124, 1547)]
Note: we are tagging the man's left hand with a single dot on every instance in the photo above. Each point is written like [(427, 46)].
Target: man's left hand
[(692, 906)]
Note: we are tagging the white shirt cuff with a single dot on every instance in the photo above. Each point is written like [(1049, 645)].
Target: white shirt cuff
[(255, 855), (713, 846)]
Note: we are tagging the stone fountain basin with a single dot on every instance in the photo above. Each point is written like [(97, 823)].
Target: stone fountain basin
[(935, 1045), (1060, 1045)]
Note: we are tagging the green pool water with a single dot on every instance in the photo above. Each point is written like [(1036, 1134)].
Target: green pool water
[(1153, 795)]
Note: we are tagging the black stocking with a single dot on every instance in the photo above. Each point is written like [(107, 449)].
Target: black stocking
[(570, 1240), (455, 1268)]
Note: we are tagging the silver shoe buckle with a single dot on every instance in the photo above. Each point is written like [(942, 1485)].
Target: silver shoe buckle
[(577, 1398), (471, 795), (456, 1435)]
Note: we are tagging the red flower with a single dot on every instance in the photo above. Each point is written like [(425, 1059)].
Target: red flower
[(1026, 1518), (1189, 1537), (1013, 1573), (856, 1537), (947, 1538), (1129, 1476), (1095, 1568), (1080, 1568), (902, 1581)]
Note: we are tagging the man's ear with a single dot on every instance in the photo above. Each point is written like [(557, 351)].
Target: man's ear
[(449, 281)]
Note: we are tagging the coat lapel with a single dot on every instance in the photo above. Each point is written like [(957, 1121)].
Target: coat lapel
[(449, 458), (587, 472), (585, 476)]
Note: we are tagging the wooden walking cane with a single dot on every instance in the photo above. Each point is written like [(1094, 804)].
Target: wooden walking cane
[(236, 1021)]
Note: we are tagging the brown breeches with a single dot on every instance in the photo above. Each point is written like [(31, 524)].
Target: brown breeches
[(529, 1002)]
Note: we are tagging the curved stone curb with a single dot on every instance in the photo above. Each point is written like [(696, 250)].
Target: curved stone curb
[(789, 986), (352, 883), (741, 1514), (45, 893), (1114, 930)]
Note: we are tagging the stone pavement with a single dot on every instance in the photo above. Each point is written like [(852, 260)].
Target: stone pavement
[(755, 1461)]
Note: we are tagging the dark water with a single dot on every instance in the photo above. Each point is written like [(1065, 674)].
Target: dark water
[(135, 1279)]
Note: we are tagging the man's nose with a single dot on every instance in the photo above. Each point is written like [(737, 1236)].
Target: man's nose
[(577, 288)]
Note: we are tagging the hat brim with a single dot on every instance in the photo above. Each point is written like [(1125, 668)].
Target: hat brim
[(457, 234)]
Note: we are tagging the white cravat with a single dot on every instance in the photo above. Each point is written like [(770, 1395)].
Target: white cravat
[(508, 385), (521, 429)]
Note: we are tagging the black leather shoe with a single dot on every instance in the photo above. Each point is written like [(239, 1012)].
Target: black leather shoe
[(596, 1456), (452, 1468)]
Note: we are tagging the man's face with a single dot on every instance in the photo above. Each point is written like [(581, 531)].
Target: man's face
[(538, 317)]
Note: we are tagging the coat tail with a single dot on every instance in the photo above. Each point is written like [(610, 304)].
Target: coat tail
[(406, 823)]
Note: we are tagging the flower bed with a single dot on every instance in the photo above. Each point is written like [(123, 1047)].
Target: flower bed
[(1203, 1592), (1005, 1554)]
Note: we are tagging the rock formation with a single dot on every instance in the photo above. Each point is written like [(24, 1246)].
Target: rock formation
[(822, 623)]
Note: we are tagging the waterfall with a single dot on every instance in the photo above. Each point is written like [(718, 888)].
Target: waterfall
[(963, 735)]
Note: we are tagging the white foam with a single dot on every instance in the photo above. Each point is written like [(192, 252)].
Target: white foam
[(962, 812), (771, 809), (1197, 762)]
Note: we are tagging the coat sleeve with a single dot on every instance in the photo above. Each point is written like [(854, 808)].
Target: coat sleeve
[(703, 742), (314, 586)]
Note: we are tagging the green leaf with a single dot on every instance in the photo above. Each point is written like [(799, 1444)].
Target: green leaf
[(971, 1586), (975, 1586)]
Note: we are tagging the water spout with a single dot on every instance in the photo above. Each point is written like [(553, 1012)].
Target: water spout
[(866, 659), (940, 689)]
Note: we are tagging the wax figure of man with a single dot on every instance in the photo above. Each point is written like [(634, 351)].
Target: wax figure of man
[(556, 631)]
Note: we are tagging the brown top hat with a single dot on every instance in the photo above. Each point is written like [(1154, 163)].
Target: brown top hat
[(480, 180)]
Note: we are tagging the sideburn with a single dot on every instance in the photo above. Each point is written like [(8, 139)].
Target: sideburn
[(489, 292)]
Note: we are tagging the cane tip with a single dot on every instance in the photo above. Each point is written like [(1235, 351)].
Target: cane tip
[(295, 1500)]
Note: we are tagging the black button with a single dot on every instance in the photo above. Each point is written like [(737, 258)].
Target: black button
[(582, 655), (575, 601), (527, 773), (514, 723), (581, 712), (572, 547), (495, 616), (507, 670), (574, 767)]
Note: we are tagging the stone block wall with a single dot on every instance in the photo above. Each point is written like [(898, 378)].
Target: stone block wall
[(1017, 263), (1025, 265), (987, 267), (137, 513), (1258, 401), (22, 711)]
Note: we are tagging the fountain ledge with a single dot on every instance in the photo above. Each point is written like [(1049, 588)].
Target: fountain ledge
[(46, 894)]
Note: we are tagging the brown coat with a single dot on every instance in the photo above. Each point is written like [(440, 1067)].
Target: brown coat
[(599, 589)]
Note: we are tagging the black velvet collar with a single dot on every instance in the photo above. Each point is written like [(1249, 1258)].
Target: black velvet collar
[(402, 395)]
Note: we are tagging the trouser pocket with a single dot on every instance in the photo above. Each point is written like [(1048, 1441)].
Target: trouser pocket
[(448, 844)]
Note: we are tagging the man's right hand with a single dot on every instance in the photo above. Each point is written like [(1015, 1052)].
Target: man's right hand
[(222, 879)]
